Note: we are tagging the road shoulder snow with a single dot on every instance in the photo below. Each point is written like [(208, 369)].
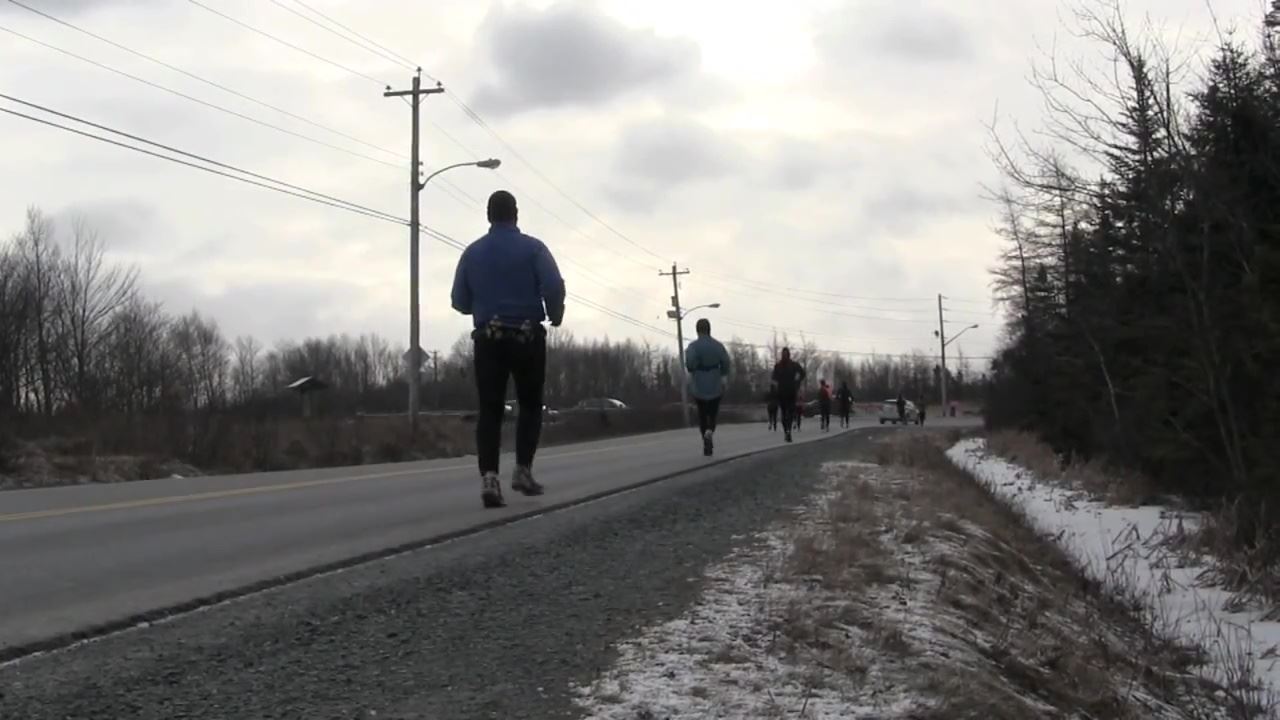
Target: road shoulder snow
[(900, 590), (1136, 554)]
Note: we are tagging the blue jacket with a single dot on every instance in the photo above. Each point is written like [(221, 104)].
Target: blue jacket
[(708, 364), (508, 276)]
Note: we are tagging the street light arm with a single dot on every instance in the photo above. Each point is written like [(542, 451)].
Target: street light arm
[(687, 311), (957, 335), (473, 163)]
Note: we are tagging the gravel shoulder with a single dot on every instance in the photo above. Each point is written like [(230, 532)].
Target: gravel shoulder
[(498, 625)]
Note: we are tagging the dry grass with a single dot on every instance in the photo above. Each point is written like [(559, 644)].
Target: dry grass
[(58, 462), (141, 448), (1242, 552), (993, 620), (1094, 477), (1243, 555)]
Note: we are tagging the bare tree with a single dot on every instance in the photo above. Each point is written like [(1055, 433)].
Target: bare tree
[(247, 375), (40, 259), (89, 293)]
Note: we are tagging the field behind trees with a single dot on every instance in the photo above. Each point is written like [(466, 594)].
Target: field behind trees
[(97, 382)]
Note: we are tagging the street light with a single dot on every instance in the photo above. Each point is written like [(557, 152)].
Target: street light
[(679, 315), (957, 335), (415, 353), (942, 374), (490, 164), (672, 313)]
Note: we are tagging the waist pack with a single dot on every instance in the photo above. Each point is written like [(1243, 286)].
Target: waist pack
[(500, 330)]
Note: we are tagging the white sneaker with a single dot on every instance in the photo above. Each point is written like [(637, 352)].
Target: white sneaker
[(491, 491), (522, 481)]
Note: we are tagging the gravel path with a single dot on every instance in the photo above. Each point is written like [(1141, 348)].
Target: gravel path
[(493, 626)]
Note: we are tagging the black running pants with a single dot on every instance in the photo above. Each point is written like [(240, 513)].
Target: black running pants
[(523, 358), (708, 411)]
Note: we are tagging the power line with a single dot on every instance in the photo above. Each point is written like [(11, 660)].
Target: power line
[(813, 303), (480, 122), (326, 28), (458, 245), (548, 211), (776, 328), (854, 353), (194, 156), (772, 287), (475, 117), (288, 44), (313, 196), (206, 81), (279, 186), (192, 98), (406, 61)]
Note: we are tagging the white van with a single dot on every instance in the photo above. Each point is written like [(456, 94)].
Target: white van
[(889, 412)]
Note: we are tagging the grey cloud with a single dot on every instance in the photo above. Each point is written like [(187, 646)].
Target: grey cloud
[(916, 31), (674, 152), (120, 224), (657, 157), (71, 6), (900, 210), (298, 309), (801, 164), (573, 55)]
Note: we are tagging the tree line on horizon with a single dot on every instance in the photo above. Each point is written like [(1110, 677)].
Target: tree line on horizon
[(1142, 263), (80, 341)]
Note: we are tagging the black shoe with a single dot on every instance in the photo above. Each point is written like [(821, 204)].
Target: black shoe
[(788, 437), (522, 481), (707, 445), (491, 491)]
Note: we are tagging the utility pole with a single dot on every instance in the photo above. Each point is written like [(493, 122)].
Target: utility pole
[(679, 317), (942, 342), (435, 374), (415, 96)]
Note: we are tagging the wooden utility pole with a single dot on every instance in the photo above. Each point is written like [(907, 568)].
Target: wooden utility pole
[(679, 318), (415, 96), (942, 342), (435, 374)]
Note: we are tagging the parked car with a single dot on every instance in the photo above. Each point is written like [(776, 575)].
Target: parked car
[(602, 404), (889, 412), (510, 410), (811, 409)]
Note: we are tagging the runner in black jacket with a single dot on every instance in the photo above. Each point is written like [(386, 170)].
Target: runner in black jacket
[(844, 396), (788, 376)]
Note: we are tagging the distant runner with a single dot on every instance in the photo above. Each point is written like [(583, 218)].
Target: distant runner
[(902, 409), (799, 412), (824, 405), (771, 405), (708, 365), (787, 378), (508, 283), (845, 397)]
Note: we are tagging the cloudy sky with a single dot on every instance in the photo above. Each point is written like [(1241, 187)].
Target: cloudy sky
[(817, 164)]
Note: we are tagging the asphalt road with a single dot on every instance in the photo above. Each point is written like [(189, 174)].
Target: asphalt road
[(81, 560), (497, 624)]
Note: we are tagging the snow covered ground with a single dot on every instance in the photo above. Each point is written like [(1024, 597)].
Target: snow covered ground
[(889, 595), (1129, 550)]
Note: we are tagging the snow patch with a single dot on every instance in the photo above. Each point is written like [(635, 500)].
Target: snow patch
[(1125, 548)]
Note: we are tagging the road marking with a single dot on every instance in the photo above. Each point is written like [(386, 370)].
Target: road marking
[(280, 487)]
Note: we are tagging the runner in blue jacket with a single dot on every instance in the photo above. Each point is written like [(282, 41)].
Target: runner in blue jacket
[(708, 364)]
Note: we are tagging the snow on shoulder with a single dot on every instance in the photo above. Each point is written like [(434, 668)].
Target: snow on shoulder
[(899, 590), (1130, 550)]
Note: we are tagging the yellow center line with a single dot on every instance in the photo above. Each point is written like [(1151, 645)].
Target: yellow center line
[(279, 487)]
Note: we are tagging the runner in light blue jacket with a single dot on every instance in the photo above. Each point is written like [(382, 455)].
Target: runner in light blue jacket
[(708, 364)]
